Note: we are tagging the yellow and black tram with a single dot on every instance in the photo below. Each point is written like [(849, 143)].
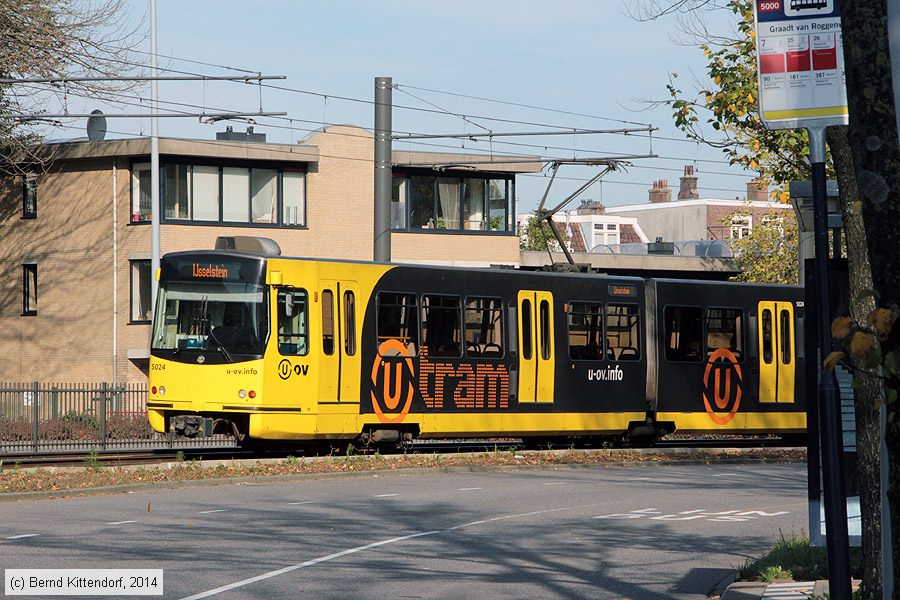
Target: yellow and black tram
[(275, 348)]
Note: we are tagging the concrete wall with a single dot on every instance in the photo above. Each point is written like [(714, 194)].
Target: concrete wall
[(672, 222)]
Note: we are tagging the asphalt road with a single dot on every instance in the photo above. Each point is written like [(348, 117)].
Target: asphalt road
[(642, 532)]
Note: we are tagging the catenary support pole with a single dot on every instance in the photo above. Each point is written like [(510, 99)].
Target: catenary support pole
[(154, 163), (382, 249), (837, 537)]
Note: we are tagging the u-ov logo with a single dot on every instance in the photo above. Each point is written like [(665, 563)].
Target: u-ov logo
[(392, 382), (720, 367)]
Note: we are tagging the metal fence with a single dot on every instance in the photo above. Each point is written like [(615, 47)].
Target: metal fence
[(42, 417)]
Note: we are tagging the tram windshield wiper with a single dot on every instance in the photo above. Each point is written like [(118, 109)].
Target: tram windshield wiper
[(220, 346)]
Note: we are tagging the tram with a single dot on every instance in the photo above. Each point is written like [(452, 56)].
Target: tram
[(267, 347)]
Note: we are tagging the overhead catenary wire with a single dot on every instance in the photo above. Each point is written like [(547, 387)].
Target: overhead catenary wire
[(221, 143), (502, 142)]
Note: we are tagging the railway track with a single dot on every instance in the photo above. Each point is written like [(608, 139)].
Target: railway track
[(122, 457)]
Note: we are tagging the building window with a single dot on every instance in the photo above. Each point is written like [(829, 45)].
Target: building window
[(229, 195), (29, 289), (141, 199), (465, 203), (29, 197), (741, 226), (141, 309)]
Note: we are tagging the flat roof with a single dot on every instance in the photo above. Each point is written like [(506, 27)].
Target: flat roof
[(83, 149), (469, 162)]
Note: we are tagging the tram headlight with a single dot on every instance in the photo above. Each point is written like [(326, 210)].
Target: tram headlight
[(242, 394), (162, 390)]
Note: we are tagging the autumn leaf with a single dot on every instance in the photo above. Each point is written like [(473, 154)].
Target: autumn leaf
[(840, 327), (881, 320), (832, 360), (861, 344)]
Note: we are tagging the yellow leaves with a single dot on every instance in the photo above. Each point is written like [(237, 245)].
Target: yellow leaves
[(882, 321), (861, 344), (756, 144), (753, 164), (840, 327), (708, 98), (706, 50), (750, 97), (832, 360), (718, 79), (784, 197)]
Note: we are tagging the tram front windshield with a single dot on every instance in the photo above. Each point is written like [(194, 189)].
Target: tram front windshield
[(225, 317)]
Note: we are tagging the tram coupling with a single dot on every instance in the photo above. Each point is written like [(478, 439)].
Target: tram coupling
[(192, 426)]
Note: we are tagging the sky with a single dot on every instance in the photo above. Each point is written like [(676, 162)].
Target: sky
[(588, 62)]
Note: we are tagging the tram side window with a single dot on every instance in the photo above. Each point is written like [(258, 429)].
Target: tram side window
[(785, 331), (397, 319), (349, 323), (546, 338), (484, 327), (725, 329), (293, 331), (684, 333), (585, 331), (526, 329), (623, 339), (441, 325), (328, 322), (767, 343)]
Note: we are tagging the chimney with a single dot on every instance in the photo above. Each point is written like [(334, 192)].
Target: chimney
[(757, 191), (688, 189), (230, 135), (591, 207), (660, 192)]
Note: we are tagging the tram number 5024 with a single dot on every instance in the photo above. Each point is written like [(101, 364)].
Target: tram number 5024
[(157, 367)]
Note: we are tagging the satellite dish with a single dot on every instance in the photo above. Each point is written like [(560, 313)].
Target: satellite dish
[(96, 126)]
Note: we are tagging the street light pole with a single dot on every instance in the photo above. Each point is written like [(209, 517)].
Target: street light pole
[(837, 537)]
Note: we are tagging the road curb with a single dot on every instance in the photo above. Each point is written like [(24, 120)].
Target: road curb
[(732, 458)]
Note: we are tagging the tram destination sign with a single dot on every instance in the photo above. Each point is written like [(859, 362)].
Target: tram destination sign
[(212, 267), (800, 63)]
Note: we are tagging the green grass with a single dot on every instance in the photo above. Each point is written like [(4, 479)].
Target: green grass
[(791, 558)]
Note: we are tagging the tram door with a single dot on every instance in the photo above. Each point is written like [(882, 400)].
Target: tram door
[(340, 360), (536, 357), (776, 352)]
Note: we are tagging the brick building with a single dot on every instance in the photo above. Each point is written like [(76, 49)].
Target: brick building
[(75, 238)]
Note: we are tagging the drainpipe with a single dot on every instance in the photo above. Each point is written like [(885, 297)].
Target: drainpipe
[(115, 253)]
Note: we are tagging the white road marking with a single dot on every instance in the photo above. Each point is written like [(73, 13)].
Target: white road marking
[(386, 495), (121, 522), (469, 489), (316, 561), (24, 535), (218, 510), (557, 483), (304, 502)]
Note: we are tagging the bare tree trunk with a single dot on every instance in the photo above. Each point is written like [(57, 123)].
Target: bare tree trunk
[(867, 386), (876, 156)]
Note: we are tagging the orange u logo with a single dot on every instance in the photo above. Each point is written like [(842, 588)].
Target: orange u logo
[(722, 360), (394, 386)]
